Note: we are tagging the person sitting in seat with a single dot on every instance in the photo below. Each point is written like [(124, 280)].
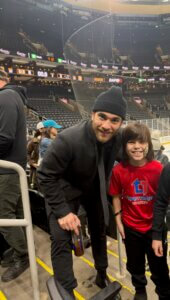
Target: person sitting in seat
[(158, 151), (33, 154), (48, 135)]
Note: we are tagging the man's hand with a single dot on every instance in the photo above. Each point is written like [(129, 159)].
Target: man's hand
[(157, 248), (70, 222), (35, 165)]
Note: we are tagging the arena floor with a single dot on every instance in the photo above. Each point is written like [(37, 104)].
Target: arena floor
[(20, 288)]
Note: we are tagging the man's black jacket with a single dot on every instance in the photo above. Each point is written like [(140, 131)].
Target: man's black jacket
[(12, 126), (161, 203), (69, 166)]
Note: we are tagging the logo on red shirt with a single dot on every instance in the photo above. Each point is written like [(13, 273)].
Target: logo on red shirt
[(140, 187)]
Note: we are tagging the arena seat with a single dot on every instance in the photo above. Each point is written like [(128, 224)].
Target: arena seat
[(155, 99), (38, 210), (6, 36), (158, 105), (57, 292), (87, 104), (31, 122), (164, 113), (137, 112), (51, 109), (111, 292)]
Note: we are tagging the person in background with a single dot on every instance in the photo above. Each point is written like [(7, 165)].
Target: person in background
[(162, 157), (73, 173), (13, 149), (158, 151), (133, 186), (40, 127), (48, 135), (33, 154), (29, 135)]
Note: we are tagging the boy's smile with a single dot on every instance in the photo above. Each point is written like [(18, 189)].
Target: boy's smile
[(137, 152)]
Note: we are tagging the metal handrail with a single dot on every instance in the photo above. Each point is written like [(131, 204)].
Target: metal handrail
[(121, 273), (26, 222)]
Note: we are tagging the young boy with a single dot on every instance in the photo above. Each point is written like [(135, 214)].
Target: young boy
[(133, 186)]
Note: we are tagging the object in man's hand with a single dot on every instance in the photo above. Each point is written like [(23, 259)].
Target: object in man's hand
[(78, 245)]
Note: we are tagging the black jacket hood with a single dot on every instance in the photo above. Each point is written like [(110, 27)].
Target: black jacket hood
[(22, 91)]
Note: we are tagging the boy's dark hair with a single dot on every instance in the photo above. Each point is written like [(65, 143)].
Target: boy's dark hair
[(139, 132)]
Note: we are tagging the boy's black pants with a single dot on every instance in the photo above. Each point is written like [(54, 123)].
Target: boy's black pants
[(139, 245)]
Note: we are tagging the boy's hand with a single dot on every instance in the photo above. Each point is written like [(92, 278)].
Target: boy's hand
[(70, 222), (157, 248), (121, 229)]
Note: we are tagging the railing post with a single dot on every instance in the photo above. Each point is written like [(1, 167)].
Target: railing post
[(27, 222), (121, 273)]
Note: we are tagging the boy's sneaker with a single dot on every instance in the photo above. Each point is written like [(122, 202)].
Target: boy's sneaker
[(140, 296)]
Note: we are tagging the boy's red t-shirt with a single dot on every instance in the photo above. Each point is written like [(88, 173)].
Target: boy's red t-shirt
[(137, 187)]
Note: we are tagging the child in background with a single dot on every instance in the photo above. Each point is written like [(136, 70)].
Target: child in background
[(49, 134), (133, 186)]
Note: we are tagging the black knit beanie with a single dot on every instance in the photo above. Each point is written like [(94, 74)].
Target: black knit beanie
[(111, 101)]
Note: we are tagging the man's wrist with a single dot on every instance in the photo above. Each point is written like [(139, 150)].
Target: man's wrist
[(156, 236)]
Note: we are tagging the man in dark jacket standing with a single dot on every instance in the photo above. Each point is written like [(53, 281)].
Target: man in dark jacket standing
[(160, 209), (73, 172), (12, 148), (159, 228)]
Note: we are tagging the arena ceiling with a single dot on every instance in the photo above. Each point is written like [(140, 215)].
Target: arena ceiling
[(132, 7)]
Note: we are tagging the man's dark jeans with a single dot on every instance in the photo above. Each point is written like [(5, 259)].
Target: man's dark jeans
[(61, 247), (11, 208)]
